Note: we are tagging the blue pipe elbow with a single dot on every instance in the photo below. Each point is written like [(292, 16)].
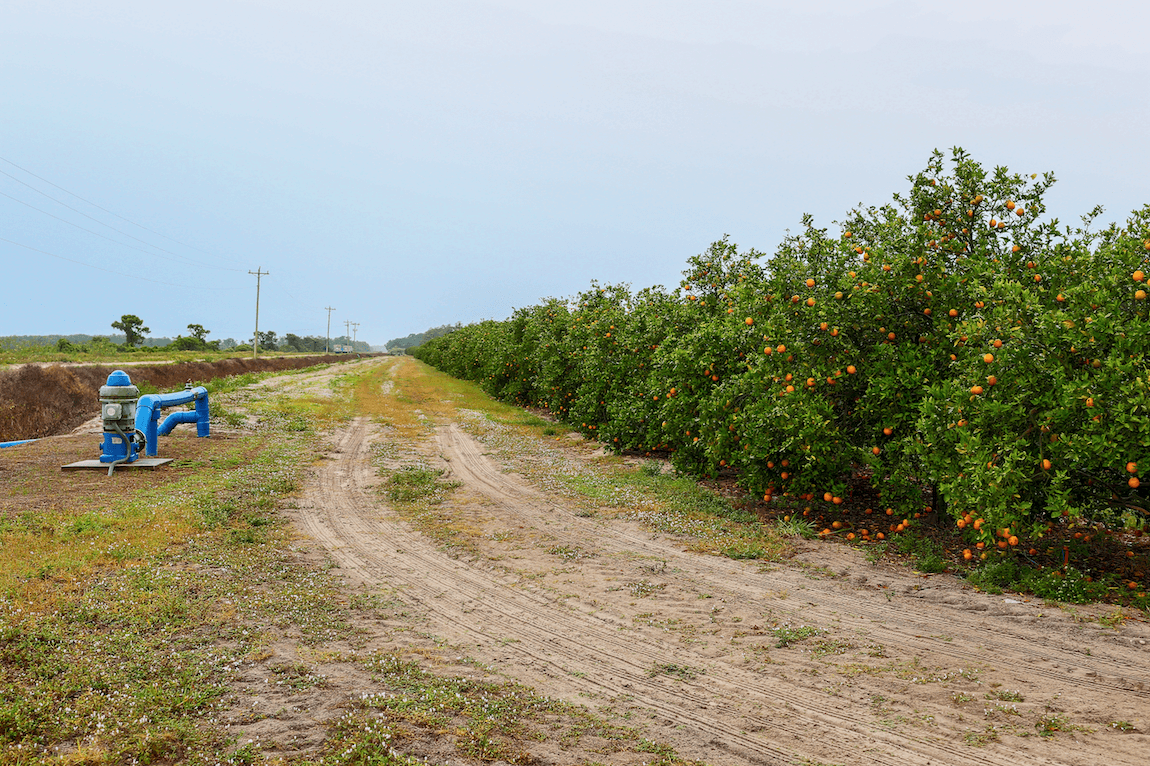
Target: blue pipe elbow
[(148, 415)]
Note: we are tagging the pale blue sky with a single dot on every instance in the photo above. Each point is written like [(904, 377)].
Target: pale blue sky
[(416, 164)]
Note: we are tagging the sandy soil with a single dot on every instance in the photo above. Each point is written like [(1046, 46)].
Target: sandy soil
[(901, 668), (589, 607)]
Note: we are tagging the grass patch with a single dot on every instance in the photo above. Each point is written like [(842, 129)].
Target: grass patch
[(1067, 584), (127, 608), (486, 720), (795, 527), (414, 484), (786, 635), (121, 630), (928, 555)]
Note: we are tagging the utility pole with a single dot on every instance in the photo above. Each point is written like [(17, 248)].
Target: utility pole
[(347, 328), (327, 343), (259, 272), (354, 330)]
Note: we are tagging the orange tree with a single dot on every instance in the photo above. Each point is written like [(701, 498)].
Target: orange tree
[(705, 353), (953, 342)]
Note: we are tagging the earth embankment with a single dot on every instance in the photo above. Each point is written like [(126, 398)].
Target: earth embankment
[(45, 400)]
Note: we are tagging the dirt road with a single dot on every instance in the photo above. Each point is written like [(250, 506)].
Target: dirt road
[(825, 658)]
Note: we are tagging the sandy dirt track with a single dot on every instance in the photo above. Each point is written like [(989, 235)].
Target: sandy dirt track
[(597, 610)]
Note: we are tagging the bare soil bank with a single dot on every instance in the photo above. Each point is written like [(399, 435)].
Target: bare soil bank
[(38, 401)]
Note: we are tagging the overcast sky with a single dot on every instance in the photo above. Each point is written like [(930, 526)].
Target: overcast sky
[(421, 163)]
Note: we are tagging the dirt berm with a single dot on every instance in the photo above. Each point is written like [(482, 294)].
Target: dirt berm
[(45, 400)]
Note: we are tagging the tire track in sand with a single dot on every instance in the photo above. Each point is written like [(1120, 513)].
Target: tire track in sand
[(589, 648)]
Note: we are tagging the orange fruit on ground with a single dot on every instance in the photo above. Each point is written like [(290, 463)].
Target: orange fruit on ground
[(966, 554), (1013, 540), (980, 545), (837, 525)]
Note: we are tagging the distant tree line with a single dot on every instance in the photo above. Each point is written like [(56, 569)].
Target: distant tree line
[(419, 338), (132, 339)]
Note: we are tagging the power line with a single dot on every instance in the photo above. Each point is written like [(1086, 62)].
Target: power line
[(110, 271), (81, 228), (109, 212), (113, 228)]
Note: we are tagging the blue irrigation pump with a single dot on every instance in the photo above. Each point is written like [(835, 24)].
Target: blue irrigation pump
[(132, 422), (118, 412)]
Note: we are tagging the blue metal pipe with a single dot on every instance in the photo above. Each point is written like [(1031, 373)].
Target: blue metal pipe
[(13, 444), (148, 415), (173, 420)]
